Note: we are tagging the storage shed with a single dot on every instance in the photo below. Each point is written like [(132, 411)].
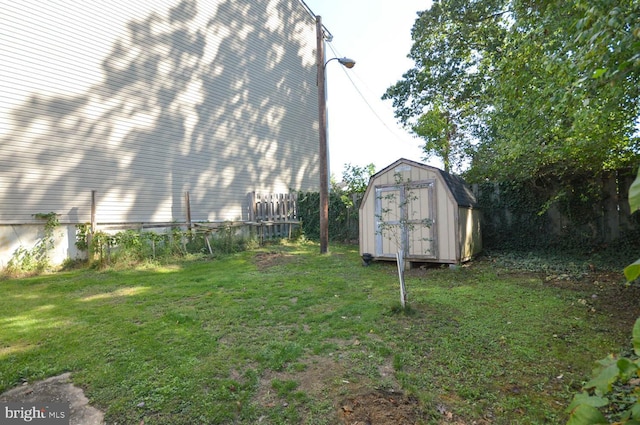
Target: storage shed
[(430, 213)]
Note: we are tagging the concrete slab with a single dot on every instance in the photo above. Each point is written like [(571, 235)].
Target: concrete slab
[(57, 389)]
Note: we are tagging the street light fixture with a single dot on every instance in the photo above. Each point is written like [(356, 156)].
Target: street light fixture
[(322, 113), (349, 63)]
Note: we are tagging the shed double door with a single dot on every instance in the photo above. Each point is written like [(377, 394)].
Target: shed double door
[(405, 218)]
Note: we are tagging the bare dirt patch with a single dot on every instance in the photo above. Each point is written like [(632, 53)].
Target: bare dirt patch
[(603, 292), (266, 260), (355, 403), (380, 407), (320, 373)]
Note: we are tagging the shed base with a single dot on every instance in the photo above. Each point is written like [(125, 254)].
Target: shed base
[(414, 263)]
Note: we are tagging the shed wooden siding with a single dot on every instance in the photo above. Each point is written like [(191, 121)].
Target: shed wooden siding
[(445, 209), (456, 230), (470, 236), (422, 239), (142, 100)]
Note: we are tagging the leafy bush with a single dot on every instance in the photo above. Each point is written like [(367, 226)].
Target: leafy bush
[(36, 259), (344, 201), (343, 218), (133, 246), (613, 388)]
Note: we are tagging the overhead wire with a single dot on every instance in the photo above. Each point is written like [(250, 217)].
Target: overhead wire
[(371, 108)]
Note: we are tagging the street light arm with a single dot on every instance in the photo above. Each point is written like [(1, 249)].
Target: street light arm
[(349, 63)]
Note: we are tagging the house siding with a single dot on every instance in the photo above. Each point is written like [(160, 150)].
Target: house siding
[(144, 100)]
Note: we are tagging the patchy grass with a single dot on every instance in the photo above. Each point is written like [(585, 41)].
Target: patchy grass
[(284, 335)]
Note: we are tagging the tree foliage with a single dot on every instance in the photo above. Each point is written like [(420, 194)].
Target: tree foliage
[(534, 88), (438, 130), (344, 200), (356, 178)]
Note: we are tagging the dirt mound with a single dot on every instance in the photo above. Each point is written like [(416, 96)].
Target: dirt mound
[(380, 407)]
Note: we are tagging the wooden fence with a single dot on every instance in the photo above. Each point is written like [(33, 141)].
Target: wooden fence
[(270, 215), (593, 210), (274, 215)]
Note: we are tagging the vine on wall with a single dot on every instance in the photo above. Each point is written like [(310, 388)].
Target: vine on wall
[(37, 259), (543, 213)]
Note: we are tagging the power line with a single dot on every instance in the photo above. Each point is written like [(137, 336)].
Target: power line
[(371, 108)]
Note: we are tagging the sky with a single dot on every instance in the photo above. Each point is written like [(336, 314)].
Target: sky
[(377, 35)]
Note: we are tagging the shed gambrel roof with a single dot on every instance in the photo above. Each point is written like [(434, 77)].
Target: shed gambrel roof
[(461, 192)]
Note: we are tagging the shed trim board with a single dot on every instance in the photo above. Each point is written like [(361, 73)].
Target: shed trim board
[(456, 231), (438, 198)]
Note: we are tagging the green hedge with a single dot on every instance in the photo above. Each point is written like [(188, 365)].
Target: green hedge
[(343, 219)]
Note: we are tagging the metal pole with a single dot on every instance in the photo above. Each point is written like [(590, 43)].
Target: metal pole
[(322, 118)]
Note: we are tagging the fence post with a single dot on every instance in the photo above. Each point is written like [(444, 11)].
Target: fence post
[(625, 179), (284, 210), (611, 230), (92, 225), (252, 206), (187, 205), (270, 215)]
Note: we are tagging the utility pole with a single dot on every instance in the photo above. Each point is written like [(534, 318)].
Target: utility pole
[(322, 124)]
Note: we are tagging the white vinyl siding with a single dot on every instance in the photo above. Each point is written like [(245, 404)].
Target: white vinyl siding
[(142, 100)]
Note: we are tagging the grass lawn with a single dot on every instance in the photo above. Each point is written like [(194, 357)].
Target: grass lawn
[(283, 335)]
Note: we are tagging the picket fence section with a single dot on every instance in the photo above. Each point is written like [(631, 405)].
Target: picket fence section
[(274, 215)]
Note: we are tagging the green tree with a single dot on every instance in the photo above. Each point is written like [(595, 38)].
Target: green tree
[(535, 89), (437, 128), (356, 178), (439, 98), (548, 116), (607, 42)]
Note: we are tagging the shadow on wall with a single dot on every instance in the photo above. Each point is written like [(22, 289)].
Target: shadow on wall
[(218, 105)]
